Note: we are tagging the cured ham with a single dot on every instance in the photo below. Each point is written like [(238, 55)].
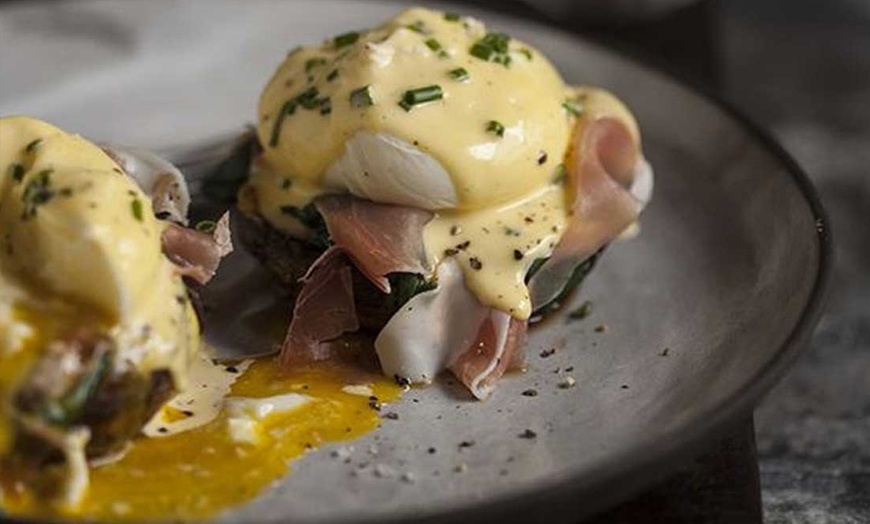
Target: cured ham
[(493, 352), (380, 238), (602, 169), (197, 254), (324, 310)]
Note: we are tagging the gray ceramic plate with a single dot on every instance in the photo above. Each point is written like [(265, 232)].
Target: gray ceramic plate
[(704, 310)]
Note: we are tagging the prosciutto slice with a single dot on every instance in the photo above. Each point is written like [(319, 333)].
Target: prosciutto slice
[(197, 254), (493, 352), (602, 169), (379, 238), (324, 310)]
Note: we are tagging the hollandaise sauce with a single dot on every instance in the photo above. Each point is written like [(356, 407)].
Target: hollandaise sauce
[(270, 417), (434, 111)]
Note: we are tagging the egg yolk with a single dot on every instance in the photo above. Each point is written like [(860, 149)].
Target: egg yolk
[(197, 474)]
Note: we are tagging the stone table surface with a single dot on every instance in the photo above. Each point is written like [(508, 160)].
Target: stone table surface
[(802, 68)]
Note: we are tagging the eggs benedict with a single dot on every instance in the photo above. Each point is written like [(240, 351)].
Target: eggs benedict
[(97, 329), (438, 184)]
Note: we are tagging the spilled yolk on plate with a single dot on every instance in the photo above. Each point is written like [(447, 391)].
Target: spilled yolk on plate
[(199, 473)]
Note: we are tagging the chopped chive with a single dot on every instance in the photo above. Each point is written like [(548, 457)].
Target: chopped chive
[(452, 17), (16, 171), (288, 108), (482, 51), (559, 174), (460, 74), (361, 97), (422, 95), (136, 208), (526, 52), (418, 27), (346, 39), (433, 44), (332, 76), (498, 41), (311, 63), (493, 48), (308, 99), (325, 106), (581, 312), (574, 107), (33, 145), (495, 128), (206, 226)]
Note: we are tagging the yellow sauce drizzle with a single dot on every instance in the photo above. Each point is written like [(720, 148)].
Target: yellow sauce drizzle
[(197, 474)]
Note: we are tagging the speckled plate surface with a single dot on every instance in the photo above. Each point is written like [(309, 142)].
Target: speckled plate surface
[(703, 311)]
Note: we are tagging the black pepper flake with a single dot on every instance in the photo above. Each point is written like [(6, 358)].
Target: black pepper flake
[(518, 255), (162, 430), (528, 220), (232, 369), (432, 451), (374, 403), (187, 413), (463, 246), (332, 76), (450, 252), (569, 369), (665, 352), (181, 299), (475, 263), (601, 328), (547, 353), (466, 444), (624, 386), (286, 183), (392, 415), (455, 230), (542, 158), (530, 393), (528, 434)]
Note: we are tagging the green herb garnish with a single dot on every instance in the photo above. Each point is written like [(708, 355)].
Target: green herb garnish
[(419, 96), (459, 74), (574, 107), (206, 226), (308, 99), (559, 174), (418, 27), (332, 76), (311, 63), (36, 193), (16, 171), (495, 127), (433, 44), (346, 39), (32, 145), (136, 208), (361, 97), (481, 51), (452, 17), (526, 52), (581, 312), (493, 47), (288, 108)]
